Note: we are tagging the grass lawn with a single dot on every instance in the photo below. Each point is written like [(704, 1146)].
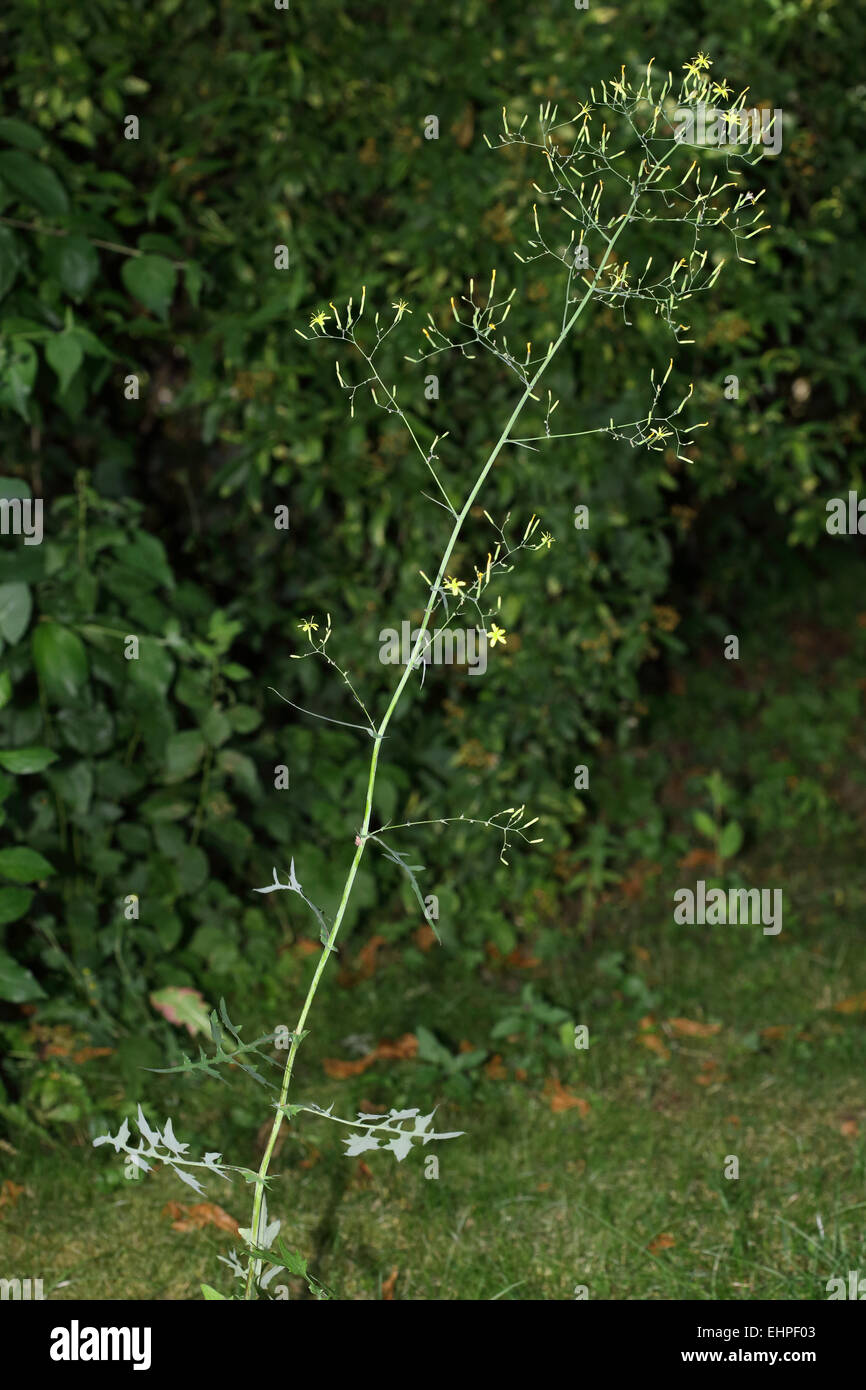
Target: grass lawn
[(602, 1167)]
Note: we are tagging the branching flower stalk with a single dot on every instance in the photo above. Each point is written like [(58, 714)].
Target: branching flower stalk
[(649, 194)]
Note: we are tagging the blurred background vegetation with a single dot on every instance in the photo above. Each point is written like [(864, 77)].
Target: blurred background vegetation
[(155, 778)]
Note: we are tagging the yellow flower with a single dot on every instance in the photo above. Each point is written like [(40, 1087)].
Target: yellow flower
[(721, 89), (694, 66), (546, 540), (318, 320), (308, 626), (497, 634), (454, 586), (402, 308)]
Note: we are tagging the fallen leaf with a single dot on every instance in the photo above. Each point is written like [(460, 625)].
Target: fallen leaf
[(405, 1047), (849, 1128), (495, 1069), (311, 1160), (388, 1285), (562, 1099), (687, 1028), (662, 1242), (520, 1073), (306, 947), (184, 1006), (341, 1071), (424, 937), (9, 1193), (777, 1031), (696, 857), (855, 1005), (367, 956), (401, 1050), (200, 1214), (368, 1108), (732, 1120), (633, 885), (521, 959), (655, 1044), (465, 1046)]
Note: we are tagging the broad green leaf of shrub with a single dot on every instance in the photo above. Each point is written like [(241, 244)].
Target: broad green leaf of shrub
[(34, 183), (146, 555), (11, 259), (705, 824), (65, 354), (183, 752), (730, 839), (19, 133), (16, 606), (26, 760), (151, 280), (89, 730), (154, 669), (74, 785), (60, 660), (74, 262), (24, 865), (17, 375), (17, 985), (14, 902)]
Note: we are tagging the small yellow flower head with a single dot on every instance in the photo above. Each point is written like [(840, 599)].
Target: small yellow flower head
[(497, 634), (454, 586), (546, 540), (308, 626), (402, 308), (721, 89), (695, 66), (318, 320)]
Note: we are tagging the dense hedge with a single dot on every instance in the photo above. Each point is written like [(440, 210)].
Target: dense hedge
[(155, 258)]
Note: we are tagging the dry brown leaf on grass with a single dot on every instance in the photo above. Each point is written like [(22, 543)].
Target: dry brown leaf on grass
[(688, 1028), (632, 886), (709, 1074), (696, 857), (661, 1242), (402, 1050), (366, 963), (495, 1069), (193, 1218), (388, 1285), (341, 1071), (9, 1193), (655, 1044), (424, 937), (562, 1099), (849, 1129), (855, 1005)]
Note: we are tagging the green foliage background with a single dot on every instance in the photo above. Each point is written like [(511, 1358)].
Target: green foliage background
[(155, 256)]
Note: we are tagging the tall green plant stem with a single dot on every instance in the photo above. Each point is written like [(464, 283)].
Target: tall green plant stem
[(528, 392)]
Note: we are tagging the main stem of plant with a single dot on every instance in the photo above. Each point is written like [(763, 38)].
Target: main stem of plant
[(528, 393)]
